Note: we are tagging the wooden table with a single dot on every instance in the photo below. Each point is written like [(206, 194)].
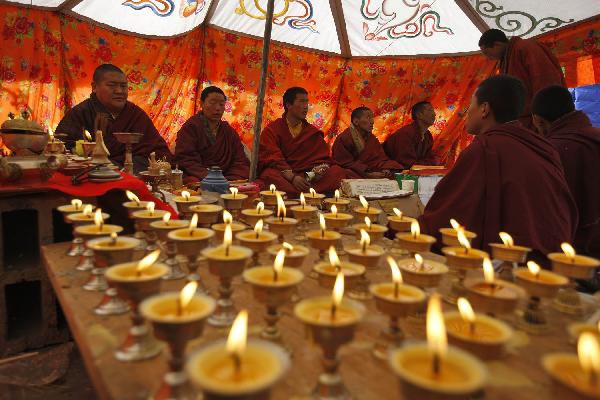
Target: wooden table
[(518, 376)]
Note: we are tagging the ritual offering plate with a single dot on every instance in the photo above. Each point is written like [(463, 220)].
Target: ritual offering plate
[(104, 174)]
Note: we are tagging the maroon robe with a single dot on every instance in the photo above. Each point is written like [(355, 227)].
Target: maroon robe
[(370, 158), (196, 150), (406, 146), (279, 151), (578, 144), (510, 180), (91, 115), (534, 64)]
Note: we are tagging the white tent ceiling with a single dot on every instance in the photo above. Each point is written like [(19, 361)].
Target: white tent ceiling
[(347, 27)]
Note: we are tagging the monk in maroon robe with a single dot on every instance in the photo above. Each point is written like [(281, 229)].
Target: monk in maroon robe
[(293, 154), (413, 143), (509, 179), (578, 144), (205, 141), (358, 150), (527, 59), (108, 110)]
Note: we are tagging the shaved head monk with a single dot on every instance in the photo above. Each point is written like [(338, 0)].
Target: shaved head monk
[(108, 110), (508, 179), (413, 143), (358, 150), (205, 141), (578, 144), (293, 154), (527, 59)]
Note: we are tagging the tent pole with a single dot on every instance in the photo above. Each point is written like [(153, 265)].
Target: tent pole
[(262, 85)]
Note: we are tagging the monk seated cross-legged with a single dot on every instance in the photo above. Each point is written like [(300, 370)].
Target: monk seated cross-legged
[(293, 154), (508, 179), (578, 145), (358, 150), (205, 141), (412, 144), (108, 110)]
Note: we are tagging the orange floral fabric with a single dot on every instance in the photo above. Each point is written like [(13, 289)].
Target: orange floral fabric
[(48, 59)]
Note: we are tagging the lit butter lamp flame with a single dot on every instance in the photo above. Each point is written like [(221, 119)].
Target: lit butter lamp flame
[(467, 313), (113, 238), (488, 273), (364, 202), (227, 239), (193, 224), (368, 223), (436, 333), (258, 228), (506, 239), (234, 191), (272, 188), (322, 224), (186, 195), (87, 210), (287, 247), (132, 197), (415, 229), (588, 352), (98, 220), (236, 341), (76, 203), (302, 201), (420, 262), (336, 195), (534, 269), (50, 135), (334, 260), (337, 294), (455, 225), (334, 211), (568, 250), (313, 192), (166, 218), (462, 239), (280, 207), (150, 207), (146, 262), (87, 135), (397, 212), (185, 296), (278, 264), (260, 207), (227, 217), (365, 240), (396, 275)]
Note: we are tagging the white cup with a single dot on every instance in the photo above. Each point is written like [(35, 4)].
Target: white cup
[(408, 185)]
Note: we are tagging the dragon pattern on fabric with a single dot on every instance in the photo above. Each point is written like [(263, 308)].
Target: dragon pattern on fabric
[(164, 8), (297, 14)]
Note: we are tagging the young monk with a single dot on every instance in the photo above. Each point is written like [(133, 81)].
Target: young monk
[(509, 179), (108, 110), (526, 59), (578, 144), (413, 143), (205, 141), (358, 150), (293, 154)]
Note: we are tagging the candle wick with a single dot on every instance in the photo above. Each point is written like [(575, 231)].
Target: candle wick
[(101, 226), (593, 379), (364, 247), (396, 289), (237, 363), (275, 275), (472, 328), (436, 365), (179, 307), (333, 311), (227, 251), (493, 287), (257, 235), (322, 233), (191, 232), (138, 273)]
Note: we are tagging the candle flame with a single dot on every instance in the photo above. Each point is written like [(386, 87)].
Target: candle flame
[(187, 294), (368, 222), (227, 217), (397, 212), (338, 290), (132, 197), (462, 239), (98, 220), (322, 222), (193, 222), (396, 275), (150, 207), (87, 210), (76, 203), (147, 261), (186, 195), (87, 135), (279, 261), (334, 210), (488, 270), (365, 239), (334, 260), (312, 192), (465, 310), (280, 206), (363, 201), (568, 250), (455, 225), (113, 237), (260, 207), (234, 191), (258, 227), (533, 268), (336, 195), (167, 217), (236, 341), (419, 260), (436, 329), (588, 351), (302, 200), (415, 229), (272, 188), (227, 236), (287, 246), (506, 239)]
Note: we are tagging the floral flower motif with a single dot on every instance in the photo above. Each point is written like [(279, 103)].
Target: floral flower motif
[(167, 69), (104, 53), (7, 75), (366, 92), (23, 26), (134, 77), (451, 98)]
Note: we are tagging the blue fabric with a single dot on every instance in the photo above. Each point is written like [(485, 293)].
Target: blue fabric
[(587, 99)]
